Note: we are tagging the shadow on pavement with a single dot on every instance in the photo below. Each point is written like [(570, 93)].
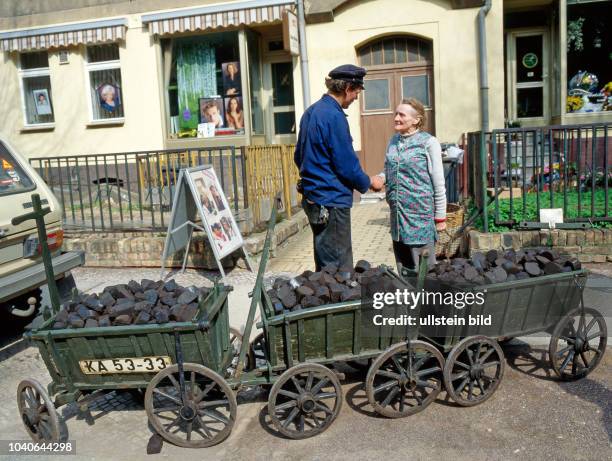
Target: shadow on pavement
[(532, 361), (593, 392), (11, 346)]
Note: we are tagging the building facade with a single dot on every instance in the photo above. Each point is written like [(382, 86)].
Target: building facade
[(138, 75)]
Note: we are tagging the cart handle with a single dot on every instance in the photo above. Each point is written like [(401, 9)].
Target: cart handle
[(257, 291)]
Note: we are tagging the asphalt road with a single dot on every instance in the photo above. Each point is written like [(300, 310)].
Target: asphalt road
[(531, 416)]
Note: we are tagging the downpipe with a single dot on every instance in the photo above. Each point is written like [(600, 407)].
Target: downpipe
[(303, 54), (484, 102)]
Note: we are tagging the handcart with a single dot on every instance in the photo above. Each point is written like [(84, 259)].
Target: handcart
[(191, 372)]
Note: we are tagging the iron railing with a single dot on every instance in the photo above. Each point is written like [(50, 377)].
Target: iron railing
[(528, 169), (134, 191)]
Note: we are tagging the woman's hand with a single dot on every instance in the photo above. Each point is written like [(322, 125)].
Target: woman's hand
[(440, 226)]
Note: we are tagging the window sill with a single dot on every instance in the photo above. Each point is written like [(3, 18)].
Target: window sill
[(106, 123), (39, 127)]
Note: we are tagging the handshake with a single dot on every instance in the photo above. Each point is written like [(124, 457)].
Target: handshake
[(376, 183)]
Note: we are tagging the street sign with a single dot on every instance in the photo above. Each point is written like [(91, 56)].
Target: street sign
[(291, 38)]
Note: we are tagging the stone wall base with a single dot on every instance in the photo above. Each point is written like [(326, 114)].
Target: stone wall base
[(141, 249), (591, 245)]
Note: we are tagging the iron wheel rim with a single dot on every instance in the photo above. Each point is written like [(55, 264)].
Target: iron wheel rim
[(577, 347), (305, 401), (474, 370), (37, 411), (207, 416), (400, 384)]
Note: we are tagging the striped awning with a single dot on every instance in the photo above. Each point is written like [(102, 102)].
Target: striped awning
[(111, 30), (215, 16)]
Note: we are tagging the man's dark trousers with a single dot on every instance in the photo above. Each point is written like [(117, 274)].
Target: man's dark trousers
[(332, 239)]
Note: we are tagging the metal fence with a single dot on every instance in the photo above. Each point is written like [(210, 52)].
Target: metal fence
[(528, 169), (134, 190)]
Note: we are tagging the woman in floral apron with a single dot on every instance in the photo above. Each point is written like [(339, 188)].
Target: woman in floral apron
[(415, 188)]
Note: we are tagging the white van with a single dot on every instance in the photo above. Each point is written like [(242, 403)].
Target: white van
[(22, 272)]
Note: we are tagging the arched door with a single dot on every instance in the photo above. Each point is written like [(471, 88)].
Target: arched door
[(398, 68)]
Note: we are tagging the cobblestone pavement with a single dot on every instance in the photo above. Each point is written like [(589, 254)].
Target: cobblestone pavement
[(369, 231), (532, 415)]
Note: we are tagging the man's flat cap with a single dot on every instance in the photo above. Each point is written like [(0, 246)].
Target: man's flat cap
[(349, 73)]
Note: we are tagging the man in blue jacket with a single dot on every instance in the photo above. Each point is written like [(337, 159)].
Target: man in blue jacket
[(329, 167)]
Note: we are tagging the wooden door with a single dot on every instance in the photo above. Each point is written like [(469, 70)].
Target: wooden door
[(398, 68), (377, 107), (382, 93)]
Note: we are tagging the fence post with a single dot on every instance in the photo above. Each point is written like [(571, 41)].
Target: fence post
[(286, 180)]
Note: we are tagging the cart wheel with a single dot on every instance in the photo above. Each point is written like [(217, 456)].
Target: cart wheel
[(305, 400), (37, 412), (401, 384), (473, 370), (205, 418), (582, 346)]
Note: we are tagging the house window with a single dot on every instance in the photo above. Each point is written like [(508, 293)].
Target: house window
[(400, 50), (203, 78), (36, 88), (589, 47), (104, 71)]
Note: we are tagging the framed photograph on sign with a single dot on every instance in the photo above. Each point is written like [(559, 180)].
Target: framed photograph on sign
[(211, 111), (41, 102), (231, 78), (214, 210)]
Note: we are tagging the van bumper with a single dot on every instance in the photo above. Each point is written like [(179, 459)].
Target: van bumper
[(34, 276)]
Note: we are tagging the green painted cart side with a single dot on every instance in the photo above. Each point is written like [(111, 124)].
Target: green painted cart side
[(518, 308), (204, 340), (330, 333)]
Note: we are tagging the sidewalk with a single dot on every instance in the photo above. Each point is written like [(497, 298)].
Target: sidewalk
[(371, 241)]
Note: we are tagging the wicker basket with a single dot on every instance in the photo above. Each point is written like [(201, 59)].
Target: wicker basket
[(454, 220)]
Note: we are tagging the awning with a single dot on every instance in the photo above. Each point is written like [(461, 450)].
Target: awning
[(214, 16), (110, 30)]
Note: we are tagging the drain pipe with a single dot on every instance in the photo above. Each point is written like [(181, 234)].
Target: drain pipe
[(484, 104), (303, 54)]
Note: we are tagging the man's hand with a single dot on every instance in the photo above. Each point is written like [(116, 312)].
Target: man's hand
[(440, 226), (376, 183)]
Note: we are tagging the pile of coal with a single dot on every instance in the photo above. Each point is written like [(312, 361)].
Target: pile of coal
[(498, 267), (136, 303), (330, 285)]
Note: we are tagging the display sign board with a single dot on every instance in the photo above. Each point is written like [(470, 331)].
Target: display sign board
[(291, 37), (551, 216), (199, 203)]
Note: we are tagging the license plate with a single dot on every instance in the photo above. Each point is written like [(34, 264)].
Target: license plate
[(124, 365)]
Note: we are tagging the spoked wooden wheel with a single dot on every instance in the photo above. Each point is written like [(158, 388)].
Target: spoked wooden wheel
[(37, 412), (473, 371), (305, 400), (578, 343), (205, 416), (403, 381)]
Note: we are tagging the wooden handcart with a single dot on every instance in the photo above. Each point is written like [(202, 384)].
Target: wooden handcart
[(191, 371)]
